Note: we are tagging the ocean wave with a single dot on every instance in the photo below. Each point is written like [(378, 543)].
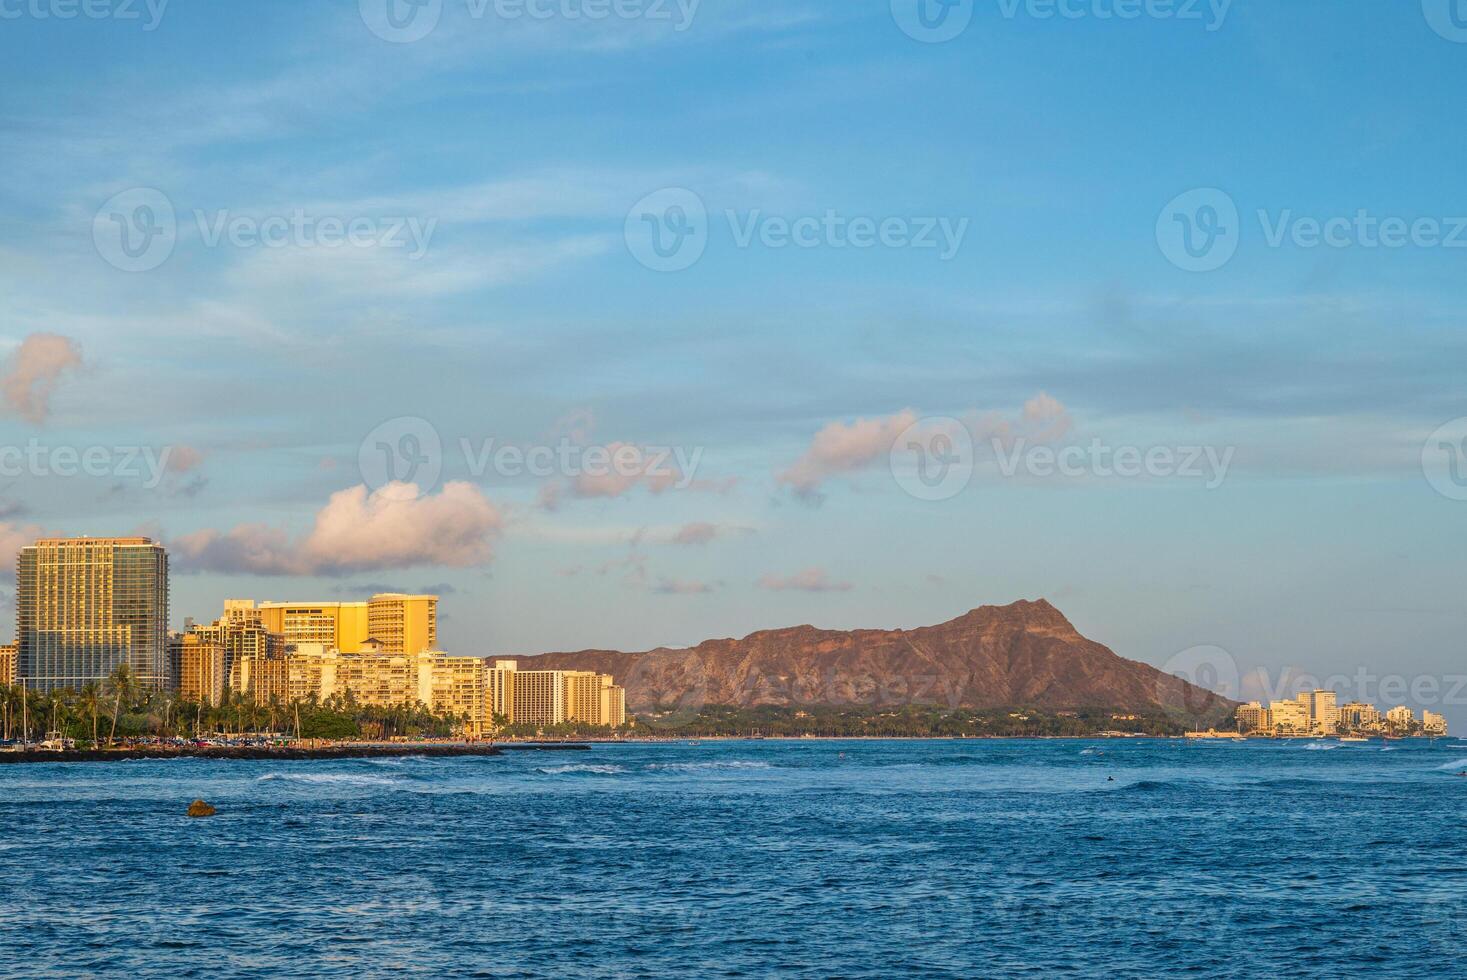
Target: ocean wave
[(581, 767), (1321, 746), (696, 766), (1459, 766), (326, 777)]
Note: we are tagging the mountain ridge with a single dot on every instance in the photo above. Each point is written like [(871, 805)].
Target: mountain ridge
[(1025, 654)]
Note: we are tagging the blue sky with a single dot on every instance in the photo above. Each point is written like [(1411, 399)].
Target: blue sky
[(1057, 144)]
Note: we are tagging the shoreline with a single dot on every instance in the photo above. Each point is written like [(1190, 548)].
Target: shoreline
[(224, 753)]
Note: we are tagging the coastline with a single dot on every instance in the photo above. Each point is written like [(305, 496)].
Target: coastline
[(224, 753)]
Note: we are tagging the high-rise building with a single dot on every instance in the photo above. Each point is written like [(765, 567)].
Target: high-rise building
[(86, 606), (198, 668), (1324, 715), (1400, 719), (499, 689), (248, 645), (403, 623), (1289, 717), (338, 625), (1358, 716), (7, 664), (539, 697), (1251, 717), (1433, 723)]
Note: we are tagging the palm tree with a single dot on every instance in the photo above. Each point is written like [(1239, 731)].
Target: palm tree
[(89, 702)]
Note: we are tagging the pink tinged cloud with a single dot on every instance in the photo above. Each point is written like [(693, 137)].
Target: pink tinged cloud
[(813, 579), (14, 537), (183, 459), (697, 533), (681, 587), (34, 371), (840, 449), (359, 531), (628, 467)]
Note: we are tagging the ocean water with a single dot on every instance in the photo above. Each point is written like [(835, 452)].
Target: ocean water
[(749, 859)]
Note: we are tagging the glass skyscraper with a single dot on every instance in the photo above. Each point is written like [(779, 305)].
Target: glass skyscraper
[(84, 606)]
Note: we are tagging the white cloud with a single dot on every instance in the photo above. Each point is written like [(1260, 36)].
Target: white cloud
[(359, 531)]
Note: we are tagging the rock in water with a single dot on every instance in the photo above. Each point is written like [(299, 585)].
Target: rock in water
[(198, 808)]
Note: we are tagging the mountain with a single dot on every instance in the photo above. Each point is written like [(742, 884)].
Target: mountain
[(1022, 655)]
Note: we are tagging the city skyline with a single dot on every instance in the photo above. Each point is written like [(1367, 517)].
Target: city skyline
[(238, 391)]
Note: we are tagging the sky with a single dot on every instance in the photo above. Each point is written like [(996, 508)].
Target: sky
[(626, 323)]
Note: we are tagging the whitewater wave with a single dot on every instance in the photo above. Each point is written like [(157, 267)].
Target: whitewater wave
[(326, 777), (592, 768), (1321, 746), (696, 766), (1459, 766)]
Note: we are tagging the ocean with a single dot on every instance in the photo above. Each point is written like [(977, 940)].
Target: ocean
[(1083, 858)]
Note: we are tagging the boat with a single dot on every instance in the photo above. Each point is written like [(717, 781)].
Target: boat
[(1211, 734)]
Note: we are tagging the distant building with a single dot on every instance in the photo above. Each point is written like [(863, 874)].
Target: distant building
[(7, 664), (1400, 719), (1289, 717), (86, 606), (1324, 713), (403, 623), (333, 625), (1357, 716), (539, 697), (1433, 723), (1251, 717), (198, 668)]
